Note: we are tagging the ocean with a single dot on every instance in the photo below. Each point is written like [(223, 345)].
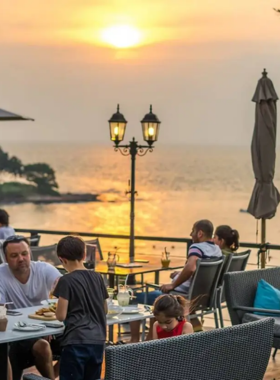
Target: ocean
[(176, 186)]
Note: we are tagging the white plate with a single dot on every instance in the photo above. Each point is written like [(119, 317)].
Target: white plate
[(130, 310), (49, 301), (29, 327)]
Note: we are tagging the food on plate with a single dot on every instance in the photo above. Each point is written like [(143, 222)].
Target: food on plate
[(112, 312), (49, 314), (50, 309)]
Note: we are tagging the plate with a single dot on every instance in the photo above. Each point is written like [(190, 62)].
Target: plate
[(130, 310), (49, 301), (29, 327)]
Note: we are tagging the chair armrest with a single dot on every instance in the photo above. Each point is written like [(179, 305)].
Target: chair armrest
[(155, 286), (253, 310), (31, 376)]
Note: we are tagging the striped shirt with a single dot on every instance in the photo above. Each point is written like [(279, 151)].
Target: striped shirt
[(204, 250)]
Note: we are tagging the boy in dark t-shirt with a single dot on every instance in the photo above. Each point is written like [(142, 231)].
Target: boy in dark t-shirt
[(82, 305)]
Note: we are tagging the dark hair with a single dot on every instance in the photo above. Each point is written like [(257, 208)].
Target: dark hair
[(230, 236), (71, 248), (14, 239), (4, 217), (205, 226), (171, 306)]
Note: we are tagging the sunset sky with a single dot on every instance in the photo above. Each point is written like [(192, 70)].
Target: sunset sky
[(197, 62)]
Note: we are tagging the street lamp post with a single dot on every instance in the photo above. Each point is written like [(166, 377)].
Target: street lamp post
[(150, 128)]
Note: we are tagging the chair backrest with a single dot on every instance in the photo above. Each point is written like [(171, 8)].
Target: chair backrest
[(96, 243), (225, 268), (46, 253), (237, 264), (240, 289), (204, 283), (34, 240), (238, 352)]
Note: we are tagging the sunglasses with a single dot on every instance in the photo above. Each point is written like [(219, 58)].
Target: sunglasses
[(14, 239)]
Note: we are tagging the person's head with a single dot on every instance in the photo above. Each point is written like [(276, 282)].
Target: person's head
[(168, 309), (226, 238), (71, 249), (17, 253), (4, 218), (202, 231)]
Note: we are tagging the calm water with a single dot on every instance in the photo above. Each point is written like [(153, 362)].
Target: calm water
[(176, 186)]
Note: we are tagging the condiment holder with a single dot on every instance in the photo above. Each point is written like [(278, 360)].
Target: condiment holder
[(165, 261)]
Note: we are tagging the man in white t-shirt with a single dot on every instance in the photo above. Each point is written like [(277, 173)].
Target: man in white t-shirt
[(27, 283)]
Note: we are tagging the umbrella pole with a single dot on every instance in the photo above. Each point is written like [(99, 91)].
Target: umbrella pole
[(263, 239)]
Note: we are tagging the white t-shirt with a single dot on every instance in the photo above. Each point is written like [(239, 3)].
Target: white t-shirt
[(40, 283)]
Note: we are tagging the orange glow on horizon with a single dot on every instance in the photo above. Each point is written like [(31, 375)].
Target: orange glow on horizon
[(121, 36)]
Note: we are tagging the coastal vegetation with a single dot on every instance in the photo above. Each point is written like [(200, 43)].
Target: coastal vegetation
[(30, 180)]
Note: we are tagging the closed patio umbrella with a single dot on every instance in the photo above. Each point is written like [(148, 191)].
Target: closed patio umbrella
[(9, 116), (265, 197)]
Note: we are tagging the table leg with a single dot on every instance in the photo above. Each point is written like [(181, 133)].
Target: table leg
[(111, 333), (157, 277), (4, 352), (143, 330), (111, 280)]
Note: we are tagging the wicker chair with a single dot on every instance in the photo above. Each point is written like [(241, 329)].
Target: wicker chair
[(233, 263), (240, 290), (239, 353)]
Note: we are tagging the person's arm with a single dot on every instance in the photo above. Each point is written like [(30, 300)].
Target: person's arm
[(61, 310), (187, 272), (187, 329), (185, 275), (62, 292), (155, 335), (174, 274), (52, 275)]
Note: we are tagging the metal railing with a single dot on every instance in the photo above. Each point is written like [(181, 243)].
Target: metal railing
[(187, 241)]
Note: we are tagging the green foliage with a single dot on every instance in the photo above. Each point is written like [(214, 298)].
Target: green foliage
[(10, 165), (17, 190), (43, 176)]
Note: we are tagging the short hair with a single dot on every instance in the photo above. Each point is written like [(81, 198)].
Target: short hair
[(14, 239), (71, 248), (4, 217), (205, 226)]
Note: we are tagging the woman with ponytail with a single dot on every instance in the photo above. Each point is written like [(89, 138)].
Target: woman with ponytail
[(227, 239), (170, 312)]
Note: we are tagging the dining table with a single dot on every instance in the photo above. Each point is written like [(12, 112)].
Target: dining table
[(122, 271), (11, 335)]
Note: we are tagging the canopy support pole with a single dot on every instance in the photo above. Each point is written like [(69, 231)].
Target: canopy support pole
[(263, 246)]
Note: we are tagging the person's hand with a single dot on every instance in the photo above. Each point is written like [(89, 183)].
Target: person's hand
[(167, 288), (174, 274)]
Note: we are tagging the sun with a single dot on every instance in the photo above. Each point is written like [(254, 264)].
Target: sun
[(121, 36)]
